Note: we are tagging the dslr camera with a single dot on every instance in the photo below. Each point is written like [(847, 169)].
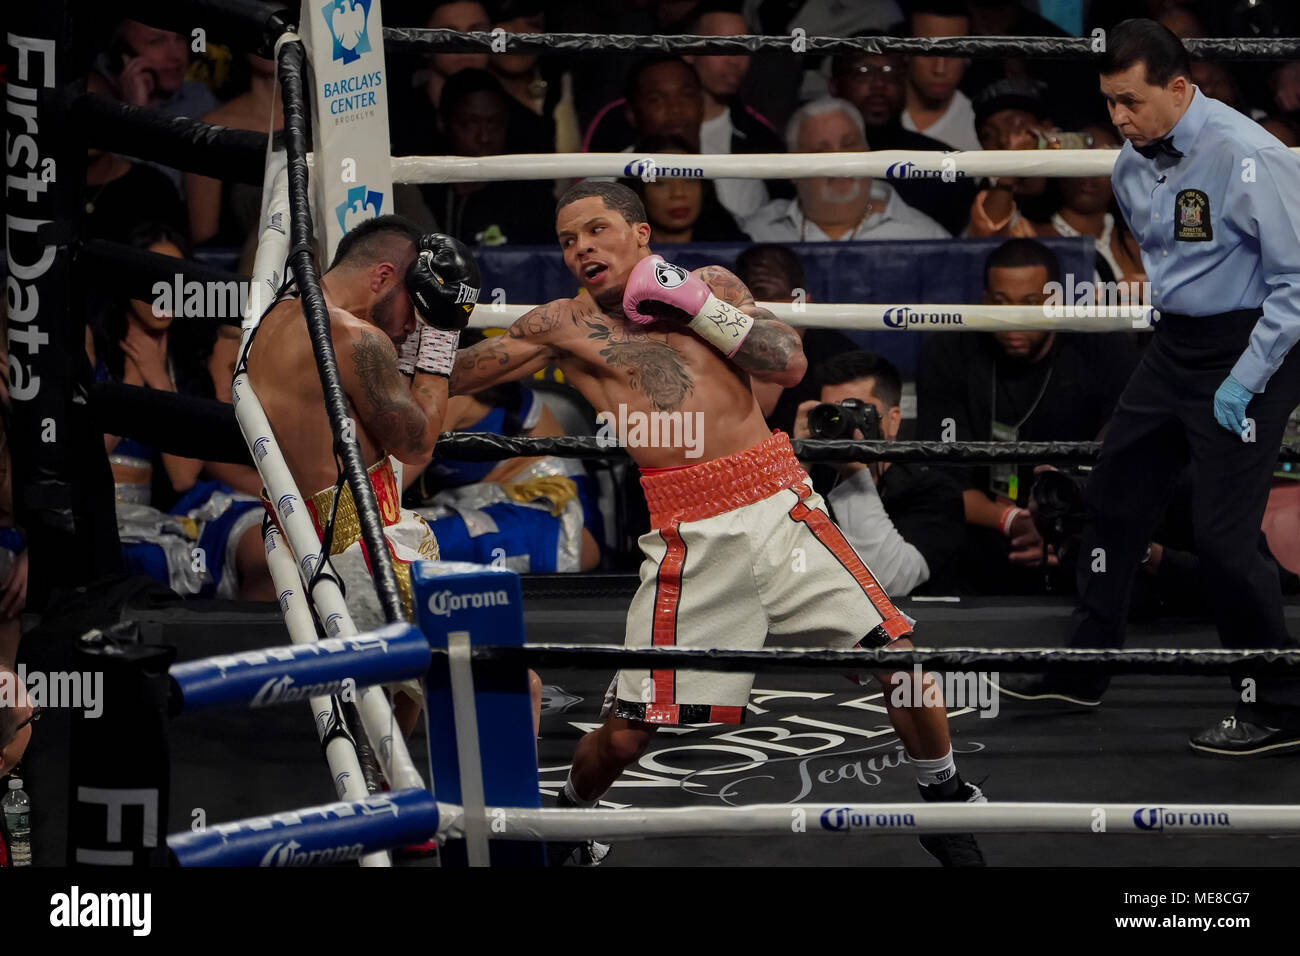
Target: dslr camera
[(841, 419)]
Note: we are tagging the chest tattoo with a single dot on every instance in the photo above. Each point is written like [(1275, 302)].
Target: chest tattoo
[(655, 369)]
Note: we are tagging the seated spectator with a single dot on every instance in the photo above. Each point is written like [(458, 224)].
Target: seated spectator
[(1015, 386), (1087, 209), (1074, 102), (784, 80), (1286, 130), (682, 210), (1011, 114), (16, 720), (413, 107), (121, 194), (773, 273), (1217, 82), (904, 520), (168, 505), (540, 87), (146, 67), (935, 106), (839, 207), (226, 213), (875, 85), (474, 119), (729, 125), (528, 514), (661, 97)]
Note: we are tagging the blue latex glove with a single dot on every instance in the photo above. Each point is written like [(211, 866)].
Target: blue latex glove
[(1230, 403)]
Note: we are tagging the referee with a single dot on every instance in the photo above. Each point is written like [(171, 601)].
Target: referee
[(1212, 199)]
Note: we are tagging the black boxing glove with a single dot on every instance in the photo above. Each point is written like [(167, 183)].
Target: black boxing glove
[(443, 283)]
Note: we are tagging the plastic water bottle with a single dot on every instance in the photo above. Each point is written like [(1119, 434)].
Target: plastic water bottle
[(17, 810)]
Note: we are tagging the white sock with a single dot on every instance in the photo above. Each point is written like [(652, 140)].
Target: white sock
[(936, 772), (571, 795)]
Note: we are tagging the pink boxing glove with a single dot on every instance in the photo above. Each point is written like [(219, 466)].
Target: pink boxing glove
[(656, 290)]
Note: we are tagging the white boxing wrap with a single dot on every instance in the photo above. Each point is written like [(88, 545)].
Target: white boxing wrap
[(437, 352), (407, 353), (722, 325)]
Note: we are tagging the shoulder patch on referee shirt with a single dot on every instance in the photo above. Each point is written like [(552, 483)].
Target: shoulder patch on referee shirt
[(1192, 223)]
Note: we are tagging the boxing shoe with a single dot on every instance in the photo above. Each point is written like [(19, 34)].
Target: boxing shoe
[(587, 853), (954, 849), (1047, 688), (1233, 737)]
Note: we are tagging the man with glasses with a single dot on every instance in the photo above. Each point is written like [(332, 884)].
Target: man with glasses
[(874, 83)]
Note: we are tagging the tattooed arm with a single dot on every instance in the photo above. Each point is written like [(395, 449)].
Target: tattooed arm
[(404, 416), (772, 352), (523, 350)]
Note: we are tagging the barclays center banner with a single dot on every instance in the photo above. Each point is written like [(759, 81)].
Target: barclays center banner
[(352, 174)]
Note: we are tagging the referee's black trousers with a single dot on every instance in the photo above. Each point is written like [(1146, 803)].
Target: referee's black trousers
[(1164, 418)]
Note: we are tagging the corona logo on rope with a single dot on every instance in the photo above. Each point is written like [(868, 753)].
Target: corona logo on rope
[(1158, 818), (909, 170), (846, 818), (647, 170), (290, 853), (901, 317), (346, 20)]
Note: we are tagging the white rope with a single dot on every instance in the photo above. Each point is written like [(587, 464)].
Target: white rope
[(340, 754), (919, 318), (300, 534), (893, 164), (889, 819)]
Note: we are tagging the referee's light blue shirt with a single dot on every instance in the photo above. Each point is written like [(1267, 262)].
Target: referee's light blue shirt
[(1218, 228)]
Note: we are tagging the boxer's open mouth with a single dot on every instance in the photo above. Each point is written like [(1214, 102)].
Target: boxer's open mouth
[(593, 270)]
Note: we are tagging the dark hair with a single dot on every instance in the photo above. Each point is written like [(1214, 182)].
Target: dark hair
[(851, 366), (1149, 43), (773, 256), (189, 342), (714, 223), (1018, 253), (381, 239), (465, 83), (692, 23), (935, 8), (634, 74), (617, 197)]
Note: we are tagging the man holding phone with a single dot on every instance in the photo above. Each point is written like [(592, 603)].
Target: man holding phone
[(147, 66)]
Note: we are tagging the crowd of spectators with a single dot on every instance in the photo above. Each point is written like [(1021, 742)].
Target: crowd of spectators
[(935, 529)]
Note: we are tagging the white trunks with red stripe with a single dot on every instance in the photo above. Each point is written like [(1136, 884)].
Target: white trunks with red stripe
[(742, 548)]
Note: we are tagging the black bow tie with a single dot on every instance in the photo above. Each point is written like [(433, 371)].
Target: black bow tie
[(1161, 147)]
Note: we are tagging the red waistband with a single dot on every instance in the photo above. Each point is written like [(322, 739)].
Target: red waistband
[(715, 487)]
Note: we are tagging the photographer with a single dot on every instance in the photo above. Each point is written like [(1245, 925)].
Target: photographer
[(904, 520), (1015, 386)]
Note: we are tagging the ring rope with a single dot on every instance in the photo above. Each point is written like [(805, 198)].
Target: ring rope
[(877, 819), (413, 40), (931, 317), (1161, 660), (291, 68)]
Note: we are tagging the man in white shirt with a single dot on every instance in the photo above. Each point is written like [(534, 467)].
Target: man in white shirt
[(935, 106), (727, 121), (836, 208)]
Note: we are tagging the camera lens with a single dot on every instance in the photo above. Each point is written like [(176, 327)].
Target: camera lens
[(827, 421)]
